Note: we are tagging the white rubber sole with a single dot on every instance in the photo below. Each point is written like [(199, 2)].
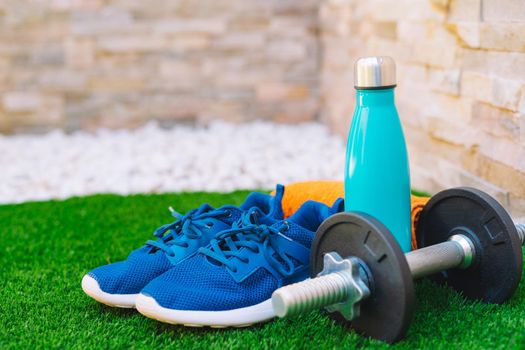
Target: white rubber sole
[(91, 287), (242, 317)]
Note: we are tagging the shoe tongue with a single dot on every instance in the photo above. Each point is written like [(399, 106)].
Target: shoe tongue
[(306, 220), (269, 205)]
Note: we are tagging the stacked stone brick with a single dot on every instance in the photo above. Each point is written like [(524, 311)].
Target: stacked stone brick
[(116, 63), (461, 84)]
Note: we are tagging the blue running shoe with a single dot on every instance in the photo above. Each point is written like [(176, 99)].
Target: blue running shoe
[(118, 284), (230, 282)]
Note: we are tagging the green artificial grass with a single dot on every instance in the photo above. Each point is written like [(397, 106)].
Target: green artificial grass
[(46, 248)]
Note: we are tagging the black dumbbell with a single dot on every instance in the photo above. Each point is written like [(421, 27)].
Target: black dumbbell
[(360, 274)]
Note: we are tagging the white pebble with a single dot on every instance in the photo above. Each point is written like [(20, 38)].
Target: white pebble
[(219, 157)]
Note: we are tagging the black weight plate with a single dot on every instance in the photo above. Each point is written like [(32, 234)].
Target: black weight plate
[(387, 312), (497, 267)]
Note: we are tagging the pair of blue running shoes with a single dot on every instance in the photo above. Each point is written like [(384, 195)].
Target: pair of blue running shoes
[(215, 267)]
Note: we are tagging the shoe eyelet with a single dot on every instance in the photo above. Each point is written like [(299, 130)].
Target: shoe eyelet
[(286, 226), (209, 225), (229, 213)]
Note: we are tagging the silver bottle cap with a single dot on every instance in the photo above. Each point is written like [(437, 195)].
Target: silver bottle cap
[(375, 72)]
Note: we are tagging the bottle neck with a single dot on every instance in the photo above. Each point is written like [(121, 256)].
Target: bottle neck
[(366, 98)]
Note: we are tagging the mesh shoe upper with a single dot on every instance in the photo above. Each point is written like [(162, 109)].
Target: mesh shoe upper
[(207, 282), (179, 241), (198, 284), (130, 275)]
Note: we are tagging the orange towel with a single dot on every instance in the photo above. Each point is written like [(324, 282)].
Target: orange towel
[(327, 192)]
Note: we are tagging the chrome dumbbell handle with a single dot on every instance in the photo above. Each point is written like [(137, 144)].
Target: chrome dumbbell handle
[(457, 252), (335, 292), (521, 232), (340, 287)]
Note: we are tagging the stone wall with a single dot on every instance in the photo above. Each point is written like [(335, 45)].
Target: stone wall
[(461, 85), (116, 63)]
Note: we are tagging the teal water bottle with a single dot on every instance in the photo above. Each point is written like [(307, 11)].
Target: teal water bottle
[(377, 177)]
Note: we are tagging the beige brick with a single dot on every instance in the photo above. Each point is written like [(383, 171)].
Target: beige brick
[(435, 55), (441, 5), (421, 144), (446, 81), (516, 206), (506, 93), (66, 5), (289, 27), (254, 22), (467, 33), (476, 85), (409, 112), (452, 131), (337, 56), (179, 25), (522, 129), (387, 30), (335, 17), (503, 10), (279, 91), (503, 93), (206, 9), (506, 65), (178, 106), (232, 79), (410, 31), (62, 80), (112, 21), (180, 70), (503, 36), (230, 111), (494, 170), (458, 166), (21, 101), (33, 108), (79, 53), (294, 112), (286, 50), (465, 10), (136, 43), (495, 121), (115, 83), (5, 73), (435, 175), (521, 103), (444, 175), (436, 105), (384, 10), (5, 123), (188, 42), (241, 41), (399, 50), (411, 73)]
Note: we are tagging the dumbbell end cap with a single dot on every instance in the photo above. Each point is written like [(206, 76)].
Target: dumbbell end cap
[(279, 303)]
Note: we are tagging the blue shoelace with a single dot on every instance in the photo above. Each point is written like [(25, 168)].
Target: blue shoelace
[(189, 225), (228, 245)]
